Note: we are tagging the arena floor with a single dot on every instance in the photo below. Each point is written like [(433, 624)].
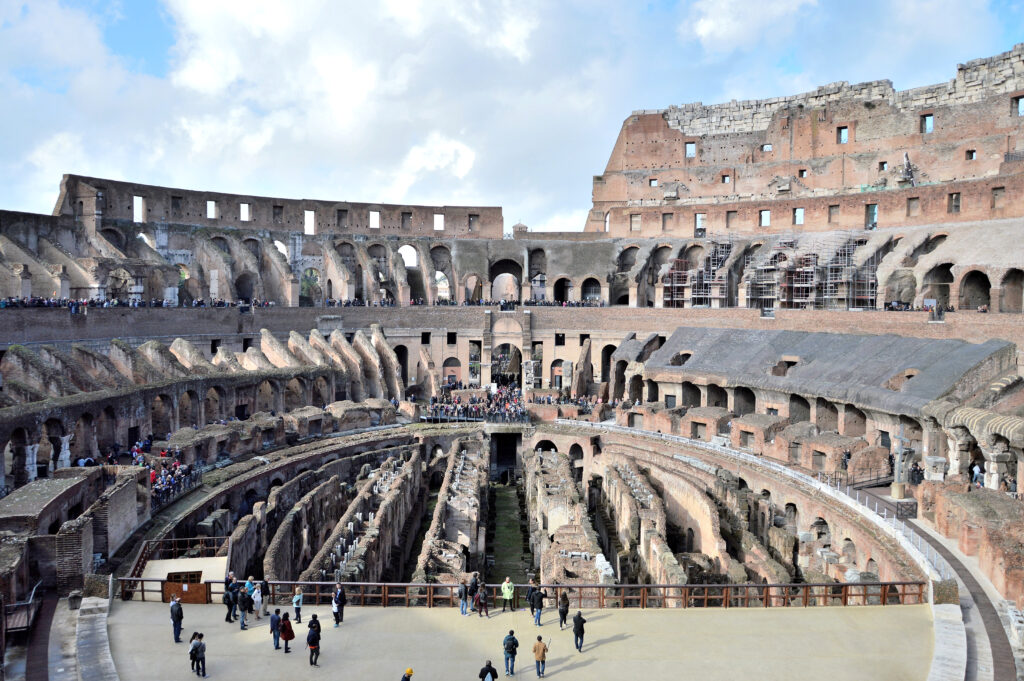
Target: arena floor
[(838, 644)]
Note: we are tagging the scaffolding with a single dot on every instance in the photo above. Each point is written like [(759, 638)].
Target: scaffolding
[(698, 287)]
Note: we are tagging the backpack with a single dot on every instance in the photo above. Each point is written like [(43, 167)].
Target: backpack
[(510, 645)]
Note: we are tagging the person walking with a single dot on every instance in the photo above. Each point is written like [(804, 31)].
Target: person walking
[(481, 602), (313, 643), (257, 600), (235, 587), (177, 615), (510, 645), (287, 633), (191, 650), (198, 652), (407, 676), (540, 656), (338, 602), (563, 609), (537, 605), (488, 672), (577, 630), (314, 623), (275, 628), (529, 594), (297, 604), (463, 598), (508, 591), (265, 592)]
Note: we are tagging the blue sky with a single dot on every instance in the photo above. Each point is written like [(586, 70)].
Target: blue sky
[(479, 102)]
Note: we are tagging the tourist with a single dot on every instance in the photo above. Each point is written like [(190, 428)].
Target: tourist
[(265, 593), (510, 645), (463, 598), (407, 676), (257, 600), (529, 594), (540, 656), (229, 601), (563, 609), (577, 630), (191, 651), (474, 585), (338, 602), (488, 671), (976, 474), (197, 652), (313, 642), (508, 590), (275, 628), (244, 607), (249, 585), (480, 600), (287, 633), (177, 615), (538, 604), (314, 623), (297, 604)]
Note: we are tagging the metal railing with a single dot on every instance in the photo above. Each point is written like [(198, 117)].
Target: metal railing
[(18, 617), (920, 550), (161, 497), (163, 549), (591, 596)]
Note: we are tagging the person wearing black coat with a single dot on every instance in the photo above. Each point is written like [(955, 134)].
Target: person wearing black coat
[(488, 672), (529, 595), (577, 630), (177, 615), (313, 643), (473, 586), (537, 604), (563, 610), (244, 606), (229, 601)]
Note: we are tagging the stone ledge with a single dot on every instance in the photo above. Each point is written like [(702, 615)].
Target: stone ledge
[(949, 656), (95, 663)]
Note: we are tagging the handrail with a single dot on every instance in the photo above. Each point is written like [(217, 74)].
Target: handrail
[(930, 560), (31, 598)]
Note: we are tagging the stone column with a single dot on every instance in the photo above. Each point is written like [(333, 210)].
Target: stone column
[(633, 294), (659, 294), (959, 444), (31, 457), (63, 459), (26, 282)]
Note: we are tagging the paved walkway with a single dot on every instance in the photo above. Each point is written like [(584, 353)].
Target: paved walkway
[(989, 656), (795, 644)]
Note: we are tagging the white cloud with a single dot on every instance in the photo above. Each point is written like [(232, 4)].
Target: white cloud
[(437, 153), (723, 26)]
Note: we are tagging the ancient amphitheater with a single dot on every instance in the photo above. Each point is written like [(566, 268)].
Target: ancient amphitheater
[(762, 417)]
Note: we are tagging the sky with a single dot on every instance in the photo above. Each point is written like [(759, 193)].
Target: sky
[(513, 103)]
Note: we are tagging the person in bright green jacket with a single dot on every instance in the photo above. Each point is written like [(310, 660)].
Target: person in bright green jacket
[(508, 590)]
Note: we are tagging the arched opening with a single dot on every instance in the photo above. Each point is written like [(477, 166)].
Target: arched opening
[(717, 397), (826, 415), (213, 404), (507, 365), (413, 273), (563, 290), (928, 246), (294, 395), (402, 354), (636, 387), (937, 282), (690, 546), (606, 362), (161, 414), (652, 390), (627, 259), (245, 286), (743, 401), (505, 276), (538, 264), (221, 243), (265, 396), (505, 287), (49, 447), (620, 379), (451, 371), (694, 256), (799, 409), (114, 237), (16, 456), (820, 532), (330, 289), (854, 422), (444, 287), (119, 284), (409, 256), (321, 392), (576, 462), (253, 246), (106, 428), (871, 568), (690, 395), (281, 248), (975, 291), (546, 446), (555, 379), (792, 518), (83, 444), (1013, 291), (849, 553), (310, 293), (591, 290), (474, 289)]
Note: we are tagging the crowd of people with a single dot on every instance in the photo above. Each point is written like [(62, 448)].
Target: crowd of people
[(172, 481), (590, 302), (585, 404), (505, 405), (82, 305)]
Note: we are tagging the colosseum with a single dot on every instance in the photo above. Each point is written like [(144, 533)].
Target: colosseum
[(762, 416)]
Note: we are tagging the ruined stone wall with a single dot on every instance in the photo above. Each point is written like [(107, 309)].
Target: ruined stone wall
[(74, 549), (116, 514), (303, 530)]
